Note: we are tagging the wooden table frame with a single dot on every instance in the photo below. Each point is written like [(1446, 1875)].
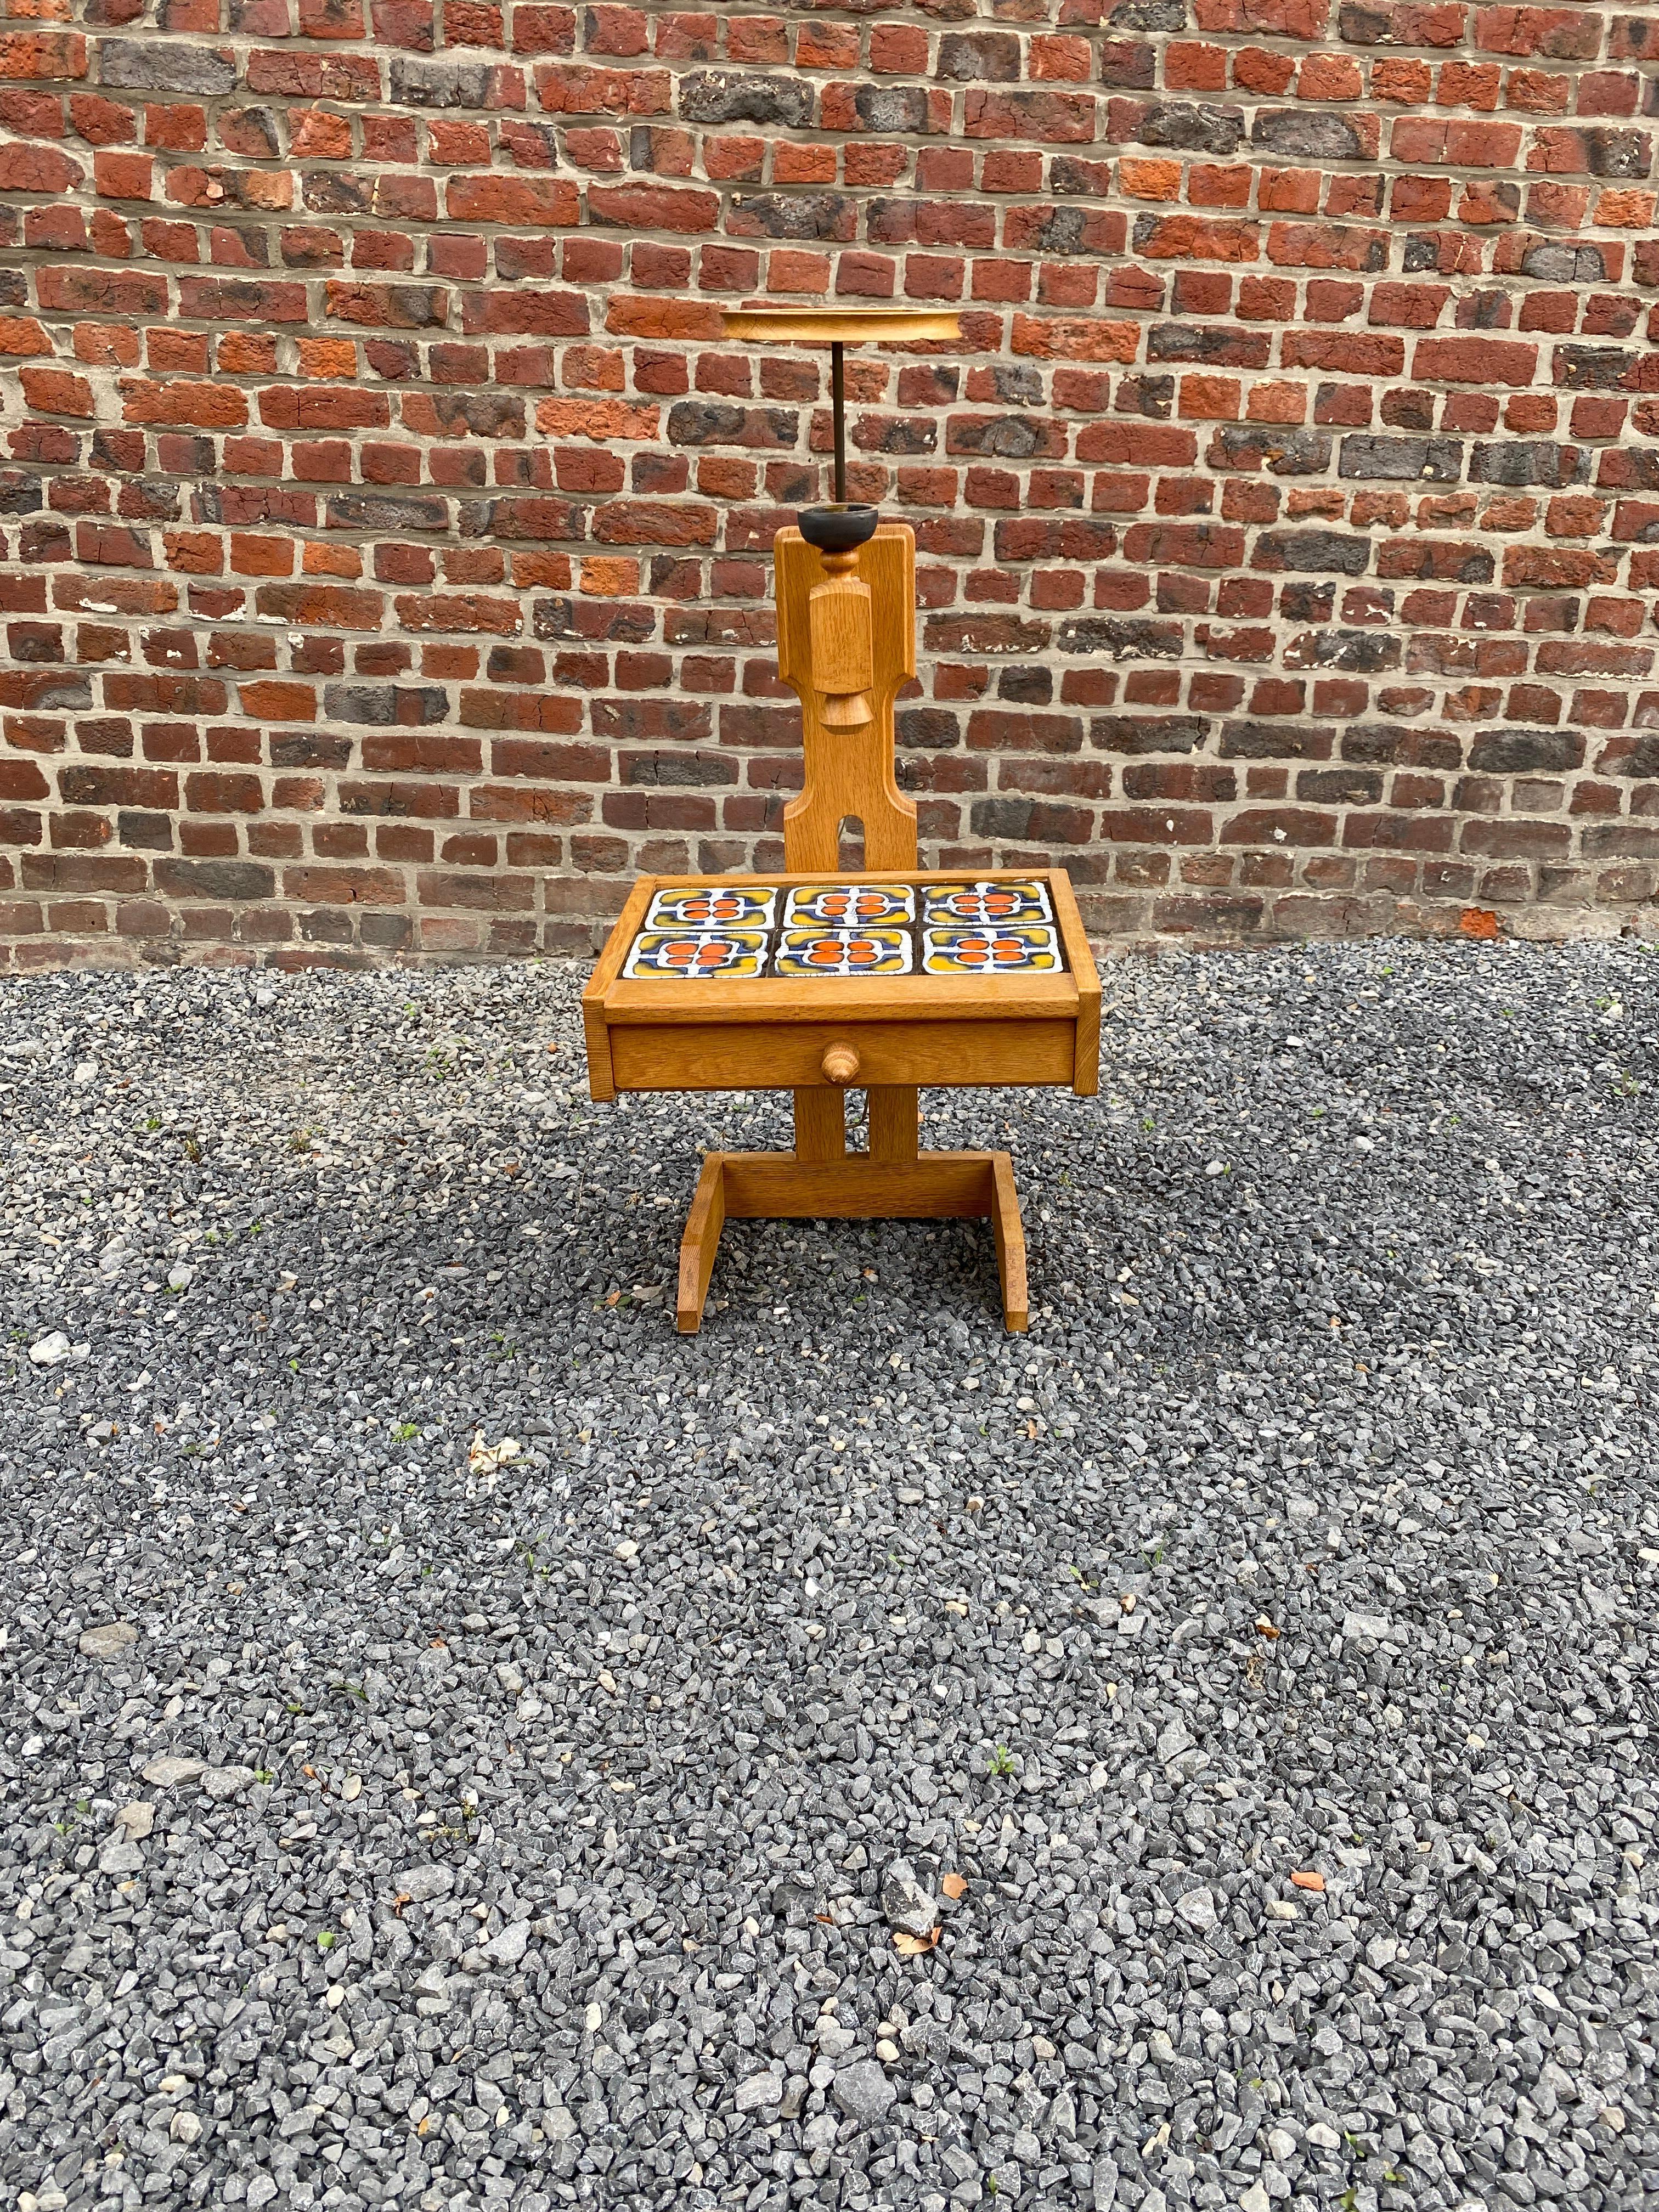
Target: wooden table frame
[(846, 646), (769, 1033)]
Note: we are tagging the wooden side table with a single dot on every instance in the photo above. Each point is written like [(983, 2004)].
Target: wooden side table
[(818, 980)]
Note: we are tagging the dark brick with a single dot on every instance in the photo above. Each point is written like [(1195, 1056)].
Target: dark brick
[(1148, 733), (1622, 154), (893, 109), (1009, 818), (1563, 261), (1027, 687), (979, 57), (1286, 741), (1339, 786), (932, 729), (158, 64), (1517, 461), (794, 214), (898, 435), (1313, 550), (1125, 637), (440, 84), (1016, 381), (1220, 344), (386, 511), (309, 749), (715, 422), (1193, 129), (1361, 26), (1361, 651), (1061, 230), (1008, 437), (1388, 743), (1401, 460), (215, 880), (386, 706), (1523, 752), (1593, 368), (1283, 451), (733, 96), (677, 771), (1307, 135)]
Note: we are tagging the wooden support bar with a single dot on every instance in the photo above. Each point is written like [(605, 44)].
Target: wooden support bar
[(820, 1125), (700, 1242), (935, 1187), (895, 1123), (783, 1186), (1011, 1245)]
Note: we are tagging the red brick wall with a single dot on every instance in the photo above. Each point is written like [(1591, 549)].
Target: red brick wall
[(386, 520)]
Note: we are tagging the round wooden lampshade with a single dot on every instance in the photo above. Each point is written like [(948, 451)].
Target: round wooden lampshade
[(841, 325)]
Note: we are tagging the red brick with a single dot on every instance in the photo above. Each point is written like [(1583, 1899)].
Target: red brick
[(43, 55), (1475, 360), (1561, 34), (536, 200)]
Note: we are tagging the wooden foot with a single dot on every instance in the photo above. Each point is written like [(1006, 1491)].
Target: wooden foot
[(1010, 1234), (783, 1186), (700, 1243)]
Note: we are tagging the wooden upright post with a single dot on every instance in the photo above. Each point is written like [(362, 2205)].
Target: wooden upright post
[(850, 764)]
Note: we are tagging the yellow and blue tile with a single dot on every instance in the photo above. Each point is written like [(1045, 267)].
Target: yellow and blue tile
[(1012, 948), (982, 905), (657, 953), (843, 952), (715, 906), (849, 906)]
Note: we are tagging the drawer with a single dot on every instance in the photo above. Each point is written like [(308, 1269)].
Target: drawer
[(790, 1056)]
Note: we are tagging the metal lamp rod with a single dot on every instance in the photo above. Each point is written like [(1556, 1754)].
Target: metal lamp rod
[(838, 409)]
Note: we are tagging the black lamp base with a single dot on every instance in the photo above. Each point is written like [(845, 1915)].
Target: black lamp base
[(839, 529)]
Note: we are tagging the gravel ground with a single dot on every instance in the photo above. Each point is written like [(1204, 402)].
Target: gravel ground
[(463, 1744)]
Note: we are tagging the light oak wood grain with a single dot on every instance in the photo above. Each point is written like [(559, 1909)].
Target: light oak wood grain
[(839, 646), (1085, 1075), (871, 326), (1010, 1234), (935, 1185), (849, 771), (846, 644), (820, 1125), (700, 1243), (638, 1002), (783, 1186), (601, 1079), (763, 1055), (895, 1123)]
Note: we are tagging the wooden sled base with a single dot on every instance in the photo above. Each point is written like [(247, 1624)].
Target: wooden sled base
[(783, 1186)]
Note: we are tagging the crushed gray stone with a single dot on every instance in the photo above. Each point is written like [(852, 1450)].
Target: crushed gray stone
[(526, 1825)]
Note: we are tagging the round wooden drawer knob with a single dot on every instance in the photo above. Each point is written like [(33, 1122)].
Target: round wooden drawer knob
[(839, 1065)]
